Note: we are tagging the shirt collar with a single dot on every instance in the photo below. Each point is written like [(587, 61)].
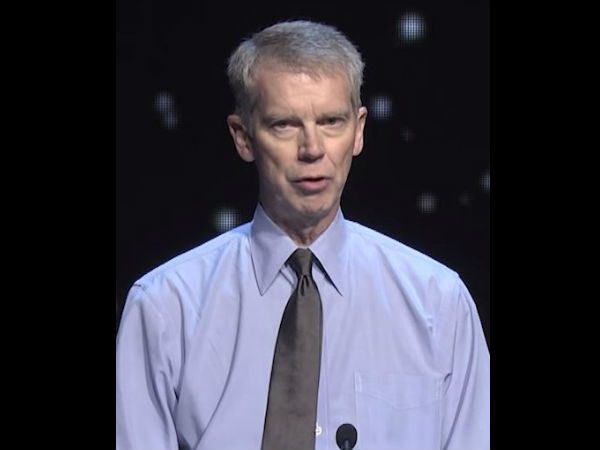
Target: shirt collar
[(270, 248), (331, 249)]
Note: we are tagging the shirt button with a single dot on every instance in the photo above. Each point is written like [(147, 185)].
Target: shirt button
[(318, 430)]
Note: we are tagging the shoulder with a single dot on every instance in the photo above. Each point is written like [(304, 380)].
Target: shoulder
[(187, 270), (425, 283), (403, 257)]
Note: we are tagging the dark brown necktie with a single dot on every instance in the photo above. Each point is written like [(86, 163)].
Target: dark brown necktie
[(292, 405)]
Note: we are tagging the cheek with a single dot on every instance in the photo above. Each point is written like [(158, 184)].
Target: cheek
[(270, 169), (344, 160)]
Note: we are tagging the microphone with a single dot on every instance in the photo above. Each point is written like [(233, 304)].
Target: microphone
[(345, 437)]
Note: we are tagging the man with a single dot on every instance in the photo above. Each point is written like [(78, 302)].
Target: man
[(392, 345)]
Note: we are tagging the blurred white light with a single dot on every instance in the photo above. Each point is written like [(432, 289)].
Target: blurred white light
[(164, 102), (380, 107), (226, 218), (411, 27), (165, 106), (485, 181), (169, 120), (427, 203)]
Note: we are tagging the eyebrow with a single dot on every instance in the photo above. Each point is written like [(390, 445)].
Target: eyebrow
[(271, 118)]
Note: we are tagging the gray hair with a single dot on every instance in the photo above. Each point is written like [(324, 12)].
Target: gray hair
[(298, 46)]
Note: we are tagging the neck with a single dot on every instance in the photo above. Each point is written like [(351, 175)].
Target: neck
[(302, 230)]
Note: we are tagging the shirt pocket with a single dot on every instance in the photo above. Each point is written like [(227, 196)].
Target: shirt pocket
[(397, 411)]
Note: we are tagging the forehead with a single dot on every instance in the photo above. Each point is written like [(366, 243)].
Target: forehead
[(280, 87)]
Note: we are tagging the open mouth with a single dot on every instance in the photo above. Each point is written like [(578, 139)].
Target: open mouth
[(312, 184)]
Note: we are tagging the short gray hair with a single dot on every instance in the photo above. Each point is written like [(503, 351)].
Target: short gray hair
[(298, 46)]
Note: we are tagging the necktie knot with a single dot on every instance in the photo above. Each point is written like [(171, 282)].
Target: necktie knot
[(301, 261)]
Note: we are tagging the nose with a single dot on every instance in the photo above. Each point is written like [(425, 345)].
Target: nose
[(310, 147)]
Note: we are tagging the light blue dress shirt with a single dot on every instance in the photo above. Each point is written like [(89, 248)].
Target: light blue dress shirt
[(404, 356)]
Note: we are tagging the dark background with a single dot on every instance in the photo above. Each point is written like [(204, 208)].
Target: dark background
[(177, 167)]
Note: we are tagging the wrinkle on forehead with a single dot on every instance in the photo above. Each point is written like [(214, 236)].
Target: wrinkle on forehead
[(296, 86)]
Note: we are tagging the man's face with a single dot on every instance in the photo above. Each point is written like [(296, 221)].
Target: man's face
[(305, 134)]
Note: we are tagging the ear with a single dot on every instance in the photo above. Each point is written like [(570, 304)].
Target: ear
[(241, 137), (359, 133)]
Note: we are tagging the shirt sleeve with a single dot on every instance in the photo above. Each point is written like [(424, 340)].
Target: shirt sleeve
[(466, 395), (145, 396)]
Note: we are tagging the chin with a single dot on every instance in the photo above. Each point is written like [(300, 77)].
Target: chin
[(315, 212)]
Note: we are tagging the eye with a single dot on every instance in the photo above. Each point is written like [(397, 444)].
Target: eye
[(333, 121), (281, 125)]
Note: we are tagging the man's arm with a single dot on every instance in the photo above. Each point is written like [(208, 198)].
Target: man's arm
[(466, 395), (145, 397)]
